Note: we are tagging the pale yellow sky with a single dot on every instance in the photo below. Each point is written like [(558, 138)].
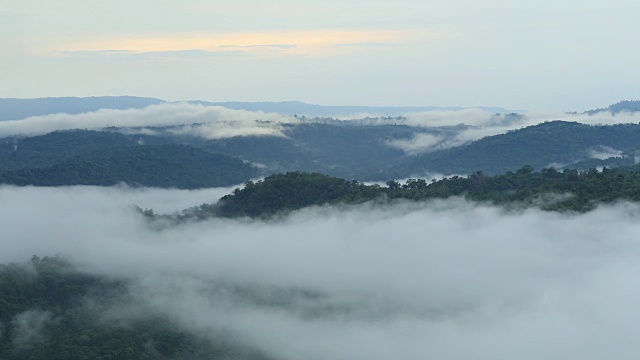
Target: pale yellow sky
[(318, 43), (564, 54)]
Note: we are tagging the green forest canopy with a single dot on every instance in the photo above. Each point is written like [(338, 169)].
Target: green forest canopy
[(567, 190)]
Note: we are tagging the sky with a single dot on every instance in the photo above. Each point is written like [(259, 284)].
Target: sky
[(550, 55), (444, 279)]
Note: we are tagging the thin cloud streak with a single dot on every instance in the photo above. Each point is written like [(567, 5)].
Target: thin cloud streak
[(323, 42), (214, 121)]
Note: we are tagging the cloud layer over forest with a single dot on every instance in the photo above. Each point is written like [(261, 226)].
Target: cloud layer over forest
[(482, 124), (215, 122), (445, 279)]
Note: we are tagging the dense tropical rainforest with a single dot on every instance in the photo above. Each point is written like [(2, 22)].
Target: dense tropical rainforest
[(549, 189)]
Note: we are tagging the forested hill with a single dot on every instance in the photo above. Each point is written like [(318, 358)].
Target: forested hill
[(166, 166), (569, 190), (81, 157), (59, 146), (364, 153), (555, 143)]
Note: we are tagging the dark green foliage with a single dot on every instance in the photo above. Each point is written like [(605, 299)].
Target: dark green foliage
[(158, 166), (65, 306), (59, 146), (568, 190), (285, 192), (573, 190)]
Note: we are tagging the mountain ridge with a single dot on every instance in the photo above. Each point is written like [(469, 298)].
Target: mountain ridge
[(16, 108)]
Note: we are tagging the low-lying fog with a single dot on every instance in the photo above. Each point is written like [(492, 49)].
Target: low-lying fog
[(216, 122), (442, 280)]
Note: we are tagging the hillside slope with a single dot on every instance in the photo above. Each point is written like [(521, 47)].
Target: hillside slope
[(166, 166), (555, 143), (58, 146)]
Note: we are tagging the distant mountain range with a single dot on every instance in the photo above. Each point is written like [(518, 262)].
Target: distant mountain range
[(15, 109), (300, 108)]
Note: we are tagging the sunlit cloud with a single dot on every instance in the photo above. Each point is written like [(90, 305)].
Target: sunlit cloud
[(305, 42)]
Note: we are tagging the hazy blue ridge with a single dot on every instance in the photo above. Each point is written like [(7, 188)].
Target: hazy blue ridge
[(313, 110), (16, 109)]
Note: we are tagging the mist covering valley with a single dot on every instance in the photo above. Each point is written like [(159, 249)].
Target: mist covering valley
[(446, 278), (443, 277)]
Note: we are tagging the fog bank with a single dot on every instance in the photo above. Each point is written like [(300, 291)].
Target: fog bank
[(445, 279), (216, 121)]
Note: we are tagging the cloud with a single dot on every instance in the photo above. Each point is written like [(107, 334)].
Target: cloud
[(133, 55), (213, 121), (601, 118), (308, 42), (472, 117), (475, 124), (230, 128), (28, 326), (604, 152), (464, 125), (419, 143), (272, 46), (443, 279), (160, 200)]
